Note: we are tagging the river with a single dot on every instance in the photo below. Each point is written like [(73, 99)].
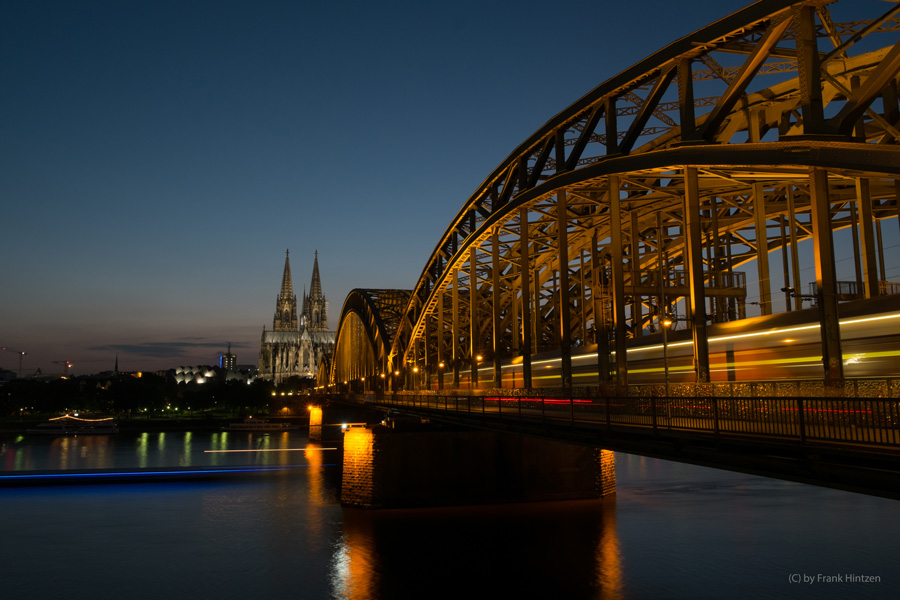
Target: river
[(671, 531)]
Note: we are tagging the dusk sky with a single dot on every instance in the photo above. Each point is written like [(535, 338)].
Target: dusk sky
[(158, 158)]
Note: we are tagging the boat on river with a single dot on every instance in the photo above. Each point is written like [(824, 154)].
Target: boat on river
[(69, 425)]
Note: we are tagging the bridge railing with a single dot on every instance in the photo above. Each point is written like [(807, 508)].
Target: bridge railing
[(882, 387), (874, 421)]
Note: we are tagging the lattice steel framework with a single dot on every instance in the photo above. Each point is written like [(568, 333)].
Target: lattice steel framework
[(774, 125), (369, 320)]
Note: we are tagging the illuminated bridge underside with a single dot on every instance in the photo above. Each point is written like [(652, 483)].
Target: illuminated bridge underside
[(369, 320), (688, 190)]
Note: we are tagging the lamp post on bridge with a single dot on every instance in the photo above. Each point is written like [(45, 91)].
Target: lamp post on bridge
[(665, 323)]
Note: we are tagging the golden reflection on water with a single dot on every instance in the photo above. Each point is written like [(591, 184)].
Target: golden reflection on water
[(548, 550), (80, 452), (185, 459), (216, 442), (355, 569), (313, 455), (60, 448), (142, 449), (316, 497), (609, 561)]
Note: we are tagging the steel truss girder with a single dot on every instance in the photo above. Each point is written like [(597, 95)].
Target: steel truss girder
[(379, 313), (752, 154)]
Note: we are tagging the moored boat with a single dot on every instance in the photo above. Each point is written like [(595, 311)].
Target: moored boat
[(69, 425)]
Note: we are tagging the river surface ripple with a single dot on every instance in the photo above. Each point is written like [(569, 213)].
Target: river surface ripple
[(672, 531)]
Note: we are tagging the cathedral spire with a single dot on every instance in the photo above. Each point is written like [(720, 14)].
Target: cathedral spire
[(315, 307), (315, 288), (286, 304), (287, 288)]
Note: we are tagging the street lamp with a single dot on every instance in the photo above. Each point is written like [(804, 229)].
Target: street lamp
[(475, 378), (666, 323)]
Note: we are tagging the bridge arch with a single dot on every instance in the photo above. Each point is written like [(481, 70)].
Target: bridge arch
[(369, 319), (688, 187)]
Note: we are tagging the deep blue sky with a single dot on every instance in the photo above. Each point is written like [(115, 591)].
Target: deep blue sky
[(157, 158)]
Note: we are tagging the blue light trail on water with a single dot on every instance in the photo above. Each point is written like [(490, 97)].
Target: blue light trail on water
[(129, 474)]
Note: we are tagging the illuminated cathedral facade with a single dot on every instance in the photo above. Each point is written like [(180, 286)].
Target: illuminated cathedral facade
[(295, 347)]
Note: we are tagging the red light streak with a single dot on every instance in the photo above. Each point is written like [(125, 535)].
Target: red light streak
[(831, 410), (544, 400)]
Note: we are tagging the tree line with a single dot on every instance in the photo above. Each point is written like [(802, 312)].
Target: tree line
[(125, 395)]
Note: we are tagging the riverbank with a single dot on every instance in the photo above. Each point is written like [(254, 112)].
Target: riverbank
[(200, 423)]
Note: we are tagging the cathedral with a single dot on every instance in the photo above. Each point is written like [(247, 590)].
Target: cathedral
[(295, 347)]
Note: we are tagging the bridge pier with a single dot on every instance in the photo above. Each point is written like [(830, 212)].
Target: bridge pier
[(315, 424), (424, 465), (325, 421)]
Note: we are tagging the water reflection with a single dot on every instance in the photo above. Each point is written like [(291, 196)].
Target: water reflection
[(186, 455), (313, 454), (152, 450), (79, 452), (609, 561), (553, 550), (673, 531), (141, 448)]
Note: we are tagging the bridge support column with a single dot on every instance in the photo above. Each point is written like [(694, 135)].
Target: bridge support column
[(474, 340), (762, 248), (823, 251), (565, 307), (866, 237), (795, 254), (454, 338), (440, 340), (495, 307), (618, 282), (385, 467), (694, 245), (525, 270), (601, 327)]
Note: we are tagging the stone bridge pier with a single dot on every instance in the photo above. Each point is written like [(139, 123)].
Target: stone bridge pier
[(411, 465)]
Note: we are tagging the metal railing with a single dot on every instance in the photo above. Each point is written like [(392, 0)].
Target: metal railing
[(874, 421)]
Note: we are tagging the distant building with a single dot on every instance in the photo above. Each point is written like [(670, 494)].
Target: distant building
[(208, 373), (228, 361), (295, 346)]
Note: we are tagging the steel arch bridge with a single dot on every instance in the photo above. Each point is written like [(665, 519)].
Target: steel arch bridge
[(673, 205)]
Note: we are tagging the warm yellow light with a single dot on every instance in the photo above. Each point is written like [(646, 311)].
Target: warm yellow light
[(415, 369), (396, 372), (441, 365), (382, 375), (788, 341), (478, 358)]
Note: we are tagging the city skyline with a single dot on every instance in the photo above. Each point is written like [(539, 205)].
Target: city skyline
[(160, 158)]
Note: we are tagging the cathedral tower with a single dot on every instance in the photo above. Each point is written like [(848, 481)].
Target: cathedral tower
[(286, 304), (296, 347), (315, 306)]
